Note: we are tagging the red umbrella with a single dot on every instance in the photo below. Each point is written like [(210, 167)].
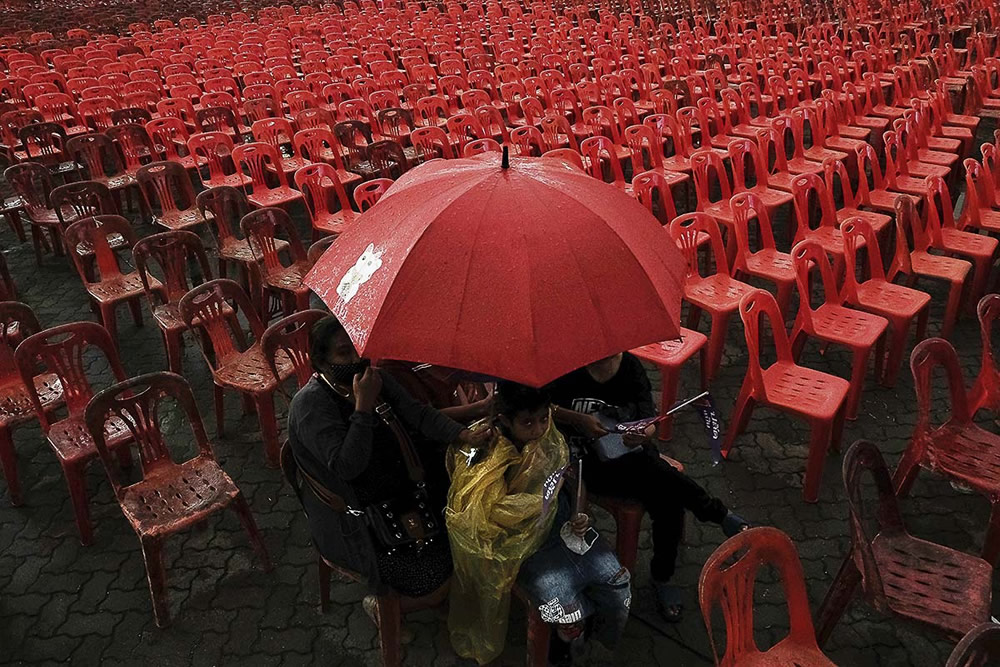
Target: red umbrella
[(524, 273)]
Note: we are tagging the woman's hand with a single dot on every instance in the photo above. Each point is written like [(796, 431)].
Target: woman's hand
[(367, 387), (580, 523)]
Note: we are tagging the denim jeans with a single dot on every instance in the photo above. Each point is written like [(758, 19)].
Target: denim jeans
[(568, 587)]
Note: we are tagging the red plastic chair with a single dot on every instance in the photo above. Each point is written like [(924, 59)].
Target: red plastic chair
[(170, 137), (746, 158), (326, 199), (811, 195), (260, 160), (946, 233), (287, 340), (166, 186), (278, 132), (215, 150), (567, 155), (370, 192), (980, 193), (478, 146), (263, 229), (668, 357), (875, 194), (171, 496), (835, 176), (171, 253), (223, 207), (653, 191), (985, 392), (59, 351), (897, 303), (916, 261), (767, 262), (718, 293), (235, 363), (32, 183), (817, 397), (17, 322), (980, 647), (109, 288), (831, 322), (728, 580), (318, 144), (933, 586)]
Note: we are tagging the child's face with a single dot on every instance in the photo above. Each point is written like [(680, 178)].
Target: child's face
[(526, 426)]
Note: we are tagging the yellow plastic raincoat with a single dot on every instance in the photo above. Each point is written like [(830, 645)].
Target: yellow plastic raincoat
[(495, 521)]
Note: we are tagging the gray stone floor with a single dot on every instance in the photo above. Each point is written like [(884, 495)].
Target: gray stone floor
[(90, 605)]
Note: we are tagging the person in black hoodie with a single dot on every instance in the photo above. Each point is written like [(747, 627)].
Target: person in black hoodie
[(617, 390)]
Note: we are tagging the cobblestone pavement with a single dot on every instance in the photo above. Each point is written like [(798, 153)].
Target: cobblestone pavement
[(90, 605)]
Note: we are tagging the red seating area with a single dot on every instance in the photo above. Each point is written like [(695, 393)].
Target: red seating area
[(781, 145)]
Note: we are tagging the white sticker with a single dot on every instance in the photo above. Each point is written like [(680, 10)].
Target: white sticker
[(360, 273)]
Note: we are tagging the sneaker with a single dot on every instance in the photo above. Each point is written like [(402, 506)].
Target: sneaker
[(669, 601)]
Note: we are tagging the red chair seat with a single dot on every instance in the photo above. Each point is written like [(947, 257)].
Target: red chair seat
[(120, 287), (179, 219), (249, 371), (847, 326), (891, 300), (71, 440), (168, 495), (274, 197), (716, 292), (804, 391)]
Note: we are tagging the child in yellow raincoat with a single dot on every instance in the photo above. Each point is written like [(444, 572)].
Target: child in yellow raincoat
[(506, 506)]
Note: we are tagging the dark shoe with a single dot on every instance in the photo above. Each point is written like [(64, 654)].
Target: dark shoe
[(669, 601), (733, 524)]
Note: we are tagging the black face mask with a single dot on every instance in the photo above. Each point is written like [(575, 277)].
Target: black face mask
[(344, 373)]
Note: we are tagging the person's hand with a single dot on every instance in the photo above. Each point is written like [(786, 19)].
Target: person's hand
[(634, 440), (366, 390), (476, 438), (579, 523), (589, 426), (484, 407)]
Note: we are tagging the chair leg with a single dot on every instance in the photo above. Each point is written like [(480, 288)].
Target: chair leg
[(717, 341), (798, 340), (784, 298), (894, 360), (819, 446), (136, 308), (837, 598), (858, 371), (268, 427), (740, 417), (627, 526), (539, 635), (8, 461), (110, 320), (77, 484), (324, 584), (156, 573), (242, 509), (906, 472), (669, 379), (220, 412), (14, 221), (951, 309), (390, 624), (173, 341)]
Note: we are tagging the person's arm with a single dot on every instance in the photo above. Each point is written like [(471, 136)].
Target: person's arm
[(466, 414), (343, 447), (431, 423)]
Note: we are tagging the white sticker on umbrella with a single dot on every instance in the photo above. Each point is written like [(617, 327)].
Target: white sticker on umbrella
[(360, 273)]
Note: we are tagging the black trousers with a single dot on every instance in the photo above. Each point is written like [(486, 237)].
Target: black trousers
[(663, 491)]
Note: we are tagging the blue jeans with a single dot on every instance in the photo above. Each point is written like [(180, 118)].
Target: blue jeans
[(568, 587)]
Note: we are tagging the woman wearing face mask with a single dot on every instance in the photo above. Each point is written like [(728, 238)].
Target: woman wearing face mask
[(361, 485)]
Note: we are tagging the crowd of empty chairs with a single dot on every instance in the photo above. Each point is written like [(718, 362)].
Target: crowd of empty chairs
[(815, 152)]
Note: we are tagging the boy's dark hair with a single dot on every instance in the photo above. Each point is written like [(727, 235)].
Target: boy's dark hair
[(320, 339), (512, 398)]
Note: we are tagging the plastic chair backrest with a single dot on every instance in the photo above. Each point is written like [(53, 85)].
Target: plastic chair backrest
[(927, 356), (864, 457), (259, 159), (728, 580), (290, 336), (17, 322), (94, 232), (980, 647), (83, 198), (166, 183), (370, 192), (805, 256), (32, 182), (227, 206), (173, 252), (650, 186), (754, 305), (60, 350), (211, 306), (262, 228), (707, 166), (137, 402), (685, 231), (747, 207)]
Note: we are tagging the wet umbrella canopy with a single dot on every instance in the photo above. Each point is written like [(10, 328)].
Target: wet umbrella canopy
[(525, 273)]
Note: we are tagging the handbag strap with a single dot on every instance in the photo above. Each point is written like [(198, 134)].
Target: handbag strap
[(323, 494), (414, 467)]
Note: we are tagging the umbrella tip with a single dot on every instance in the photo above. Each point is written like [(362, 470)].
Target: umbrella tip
[(505, 164)]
